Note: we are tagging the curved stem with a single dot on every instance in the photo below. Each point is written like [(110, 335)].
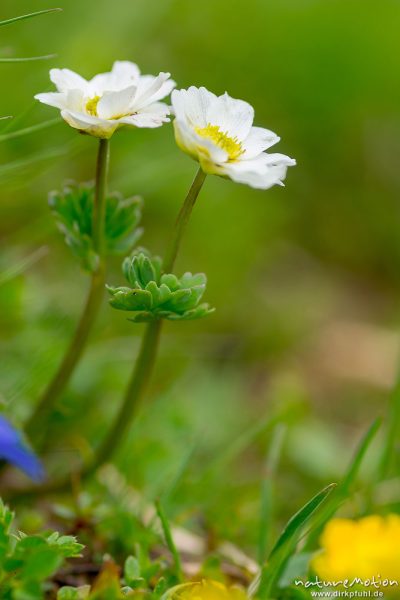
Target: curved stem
[(140, 376), (182, 220), (148, 351), (36, 425), (136, 387), (99, 208)]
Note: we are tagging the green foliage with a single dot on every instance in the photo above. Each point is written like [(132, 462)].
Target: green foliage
[(169, 540), (28, 561), (286, 544), (72, 593), (28, 130), (344, 489), (29, 16), (73, 211), (137, 582), (23, 18), (27, 59), (157, 295)]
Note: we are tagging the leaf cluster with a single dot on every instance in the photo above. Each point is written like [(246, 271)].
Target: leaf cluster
[(73, 208), (28, 561), (158, 295)]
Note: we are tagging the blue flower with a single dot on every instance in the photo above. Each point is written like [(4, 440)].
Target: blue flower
[(14, 451)]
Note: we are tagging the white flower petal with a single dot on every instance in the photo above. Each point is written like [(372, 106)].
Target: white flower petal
[(152, 116), (110, 100), (152, 89), (126, 72), (276, 158), (122, 75), (159, 108), (65, 80), (71, 99), (234, 117), (114, 105), (75, 100), (91, 125), (202, 149), (56, 99), (261, 172), (184, 138), (257, 141), (193, 105), (146, 81)]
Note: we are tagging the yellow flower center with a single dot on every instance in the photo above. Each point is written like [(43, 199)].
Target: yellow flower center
[(231, 145), (91, 106)]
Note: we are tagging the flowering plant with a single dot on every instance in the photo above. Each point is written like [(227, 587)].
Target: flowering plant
[(108, 101), (119, 509), (218, 132)]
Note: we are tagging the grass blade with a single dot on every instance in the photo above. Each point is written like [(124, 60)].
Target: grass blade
[(25, 163), (355, 465), (267, 491), (26, 130), (300, 519), (27, 59), (23, 265), (176, 479), (243, 441), (344, 488), (286, 543), (392, 435), (29, 16), (169, 540)]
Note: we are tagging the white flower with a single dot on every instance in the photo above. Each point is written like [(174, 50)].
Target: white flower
[(110, 100), (218, 132)]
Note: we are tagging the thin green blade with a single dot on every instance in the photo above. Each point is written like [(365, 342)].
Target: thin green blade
[(27, 59), (26, 130), (286, 543), (344, 488), (29, 16)]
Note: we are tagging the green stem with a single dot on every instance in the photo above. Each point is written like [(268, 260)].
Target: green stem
[(148, 351), (170, 540), (182, 221), (99, 209), (36, 425), (392, 434)]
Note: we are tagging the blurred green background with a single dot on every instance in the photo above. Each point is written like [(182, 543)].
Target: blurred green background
[(305, 279)]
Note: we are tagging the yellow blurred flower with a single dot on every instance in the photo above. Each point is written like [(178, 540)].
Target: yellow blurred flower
[(366, 549), (205, 590)]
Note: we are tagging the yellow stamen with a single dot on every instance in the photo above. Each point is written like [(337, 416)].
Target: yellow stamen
[(91, 106), (232, 146)]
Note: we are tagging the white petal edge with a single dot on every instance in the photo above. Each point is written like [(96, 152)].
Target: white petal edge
[(113, 105), (92, 125), (258, 140), (55, 99), (234, 117), (149, 91), (65, 79), (202, 149), (260, 173), (123, 75), (192, 105), (151, 117)]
